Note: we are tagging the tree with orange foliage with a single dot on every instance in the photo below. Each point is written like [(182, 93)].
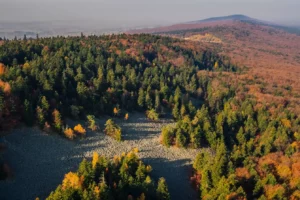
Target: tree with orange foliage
[(7, 88), (126, 116), (117, 111), (2, 69), (69, 133), (80, 130), (274, 191)]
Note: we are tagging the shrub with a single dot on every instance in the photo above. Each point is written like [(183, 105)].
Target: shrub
[(152, 114)]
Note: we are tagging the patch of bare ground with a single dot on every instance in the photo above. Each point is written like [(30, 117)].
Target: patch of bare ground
[(40, 160)]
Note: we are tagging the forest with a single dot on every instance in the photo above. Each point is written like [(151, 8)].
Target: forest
[(253, 145), (125, 176)]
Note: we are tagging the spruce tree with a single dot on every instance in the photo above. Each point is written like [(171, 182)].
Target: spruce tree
[(162, 192)]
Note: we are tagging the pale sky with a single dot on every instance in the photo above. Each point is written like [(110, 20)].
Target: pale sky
[(146, 12)]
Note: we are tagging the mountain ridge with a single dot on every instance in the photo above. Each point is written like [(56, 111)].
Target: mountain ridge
[(221, 20), (224, 18)]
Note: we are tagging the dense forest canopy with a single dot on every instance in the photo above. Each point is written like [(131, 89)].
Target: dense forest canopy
[(80, 75), (125, 177), (253, 146)]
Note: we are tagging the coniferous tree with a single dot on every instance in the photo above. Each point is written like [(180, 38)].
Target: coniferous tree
[(162, 192), (28, 113)]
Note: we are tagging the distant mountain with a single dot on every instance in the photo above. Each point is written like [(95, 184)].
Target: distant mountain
[(217, 21), (244, 18), (224, 18)]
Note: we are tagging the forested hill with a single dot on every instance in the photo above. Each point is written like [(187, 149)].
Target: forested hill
[(76, 76), (253, 143)]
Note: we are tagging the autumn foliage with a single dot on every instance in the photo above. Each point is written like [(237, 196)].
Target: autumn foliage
[(72, 180), (105, 179), (5, 87), (2, 69), (69, 133), (126, 116), (80, 130)]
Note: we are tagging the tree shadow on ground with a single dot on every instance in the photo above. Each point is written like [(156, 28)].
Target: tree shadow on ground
[(41, 160), (177, 174)]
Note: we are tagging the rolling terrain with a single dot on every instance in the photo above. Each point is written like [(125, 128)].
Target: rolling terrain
[(271, 52), (211, 105)]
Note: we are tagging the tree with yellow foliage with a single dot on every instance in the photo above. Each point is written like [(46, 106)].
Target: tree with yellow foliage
[(216, 65), (286, 123), (26, 66), (135, 150), (95, 159), (104, 179), (80, 130), (72, 180)]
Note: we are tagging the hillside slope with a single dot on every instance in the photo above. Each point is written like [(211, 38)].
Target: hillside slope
[(270, 52)]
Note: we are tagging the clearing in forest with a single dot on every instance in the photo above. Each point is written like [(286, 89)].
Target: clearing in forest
[(40, 160)]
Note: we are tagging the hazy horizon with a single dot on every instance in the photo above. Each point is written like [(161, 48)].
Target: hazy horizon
[(117, 13)]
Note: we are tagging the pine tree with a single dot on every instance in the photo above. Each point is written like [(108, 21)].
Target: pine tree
[(241, 136), (148, 101), (157, 102), (177, 96), (182, 111), (175, 111), (167, 134), (92, 122), (141, 98), (40, 116), (162, 192), (28, 113), (44, 104), (181, 140)]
